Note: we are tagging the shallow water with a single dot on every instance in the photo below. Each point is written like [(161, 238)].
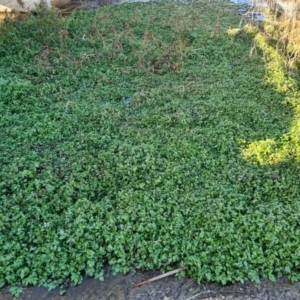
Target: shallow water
[(252, 9)]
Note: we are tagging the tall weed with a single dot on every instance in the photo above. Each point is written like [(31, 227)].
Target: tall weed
[(283, 28)]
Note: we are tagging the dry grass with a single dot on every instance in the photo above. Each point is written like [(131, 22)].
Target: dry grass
[(283, 27), (68, 6)]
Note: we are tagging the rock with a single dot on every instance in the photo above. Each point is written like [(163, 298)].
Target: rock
[(20, 5)]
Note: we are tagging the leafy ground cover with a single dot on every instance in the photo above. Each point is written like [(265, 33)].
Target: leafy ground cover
[(127, 139)]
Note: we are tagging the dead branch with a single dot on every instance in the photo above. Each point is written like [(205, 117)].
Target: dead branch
[(159, 277)]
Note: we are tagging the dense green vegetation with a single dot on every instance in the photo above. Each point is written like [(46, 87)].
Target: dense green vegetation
[(125, 137)]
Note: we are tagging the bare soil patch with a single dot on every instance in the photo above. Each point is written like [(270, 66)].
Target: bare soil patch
[(119, 287)]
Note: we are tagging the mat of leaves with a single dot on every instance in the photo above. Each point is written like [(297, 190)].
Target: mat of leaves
[(120, 144)]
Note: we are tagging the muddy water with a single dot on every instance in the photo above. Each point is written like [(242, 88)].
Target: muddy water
[(119, 287), (262, 3)]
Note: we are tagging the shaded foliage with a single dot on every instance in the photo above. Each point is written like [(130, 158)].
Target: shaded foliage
[(120, 144)]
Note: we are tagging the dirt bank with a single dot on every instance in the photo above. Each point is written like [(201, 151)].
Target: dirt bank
[(119, 287)]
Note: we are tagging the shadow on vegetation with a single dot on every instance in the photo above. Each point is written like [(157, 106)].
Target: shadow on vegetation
[(286, 81), (90, 178)]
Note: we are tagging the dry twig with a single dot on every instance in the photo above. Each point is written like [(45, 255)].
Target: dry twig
[(159, 277)]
